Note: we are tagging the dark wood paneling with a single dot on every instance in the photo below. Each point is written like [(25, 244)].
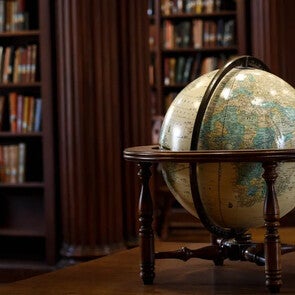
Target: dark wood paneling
[(48, 127), (272, 24), (103, 107)]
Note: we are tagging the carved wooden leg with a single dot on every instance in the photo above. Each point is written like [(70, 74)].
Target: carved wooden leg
[(272, 245), (218, 261), (146, 234)]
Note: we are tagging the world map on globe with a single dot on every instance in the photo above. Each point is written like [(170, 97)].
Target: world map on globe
[(249, 109)]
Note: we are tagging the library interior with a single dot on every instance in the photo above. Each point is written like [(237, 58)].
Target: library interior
[(107, 109)]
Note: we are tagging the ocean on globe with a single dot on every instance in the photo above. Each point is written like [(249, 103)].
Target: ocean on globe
[(249, 109)]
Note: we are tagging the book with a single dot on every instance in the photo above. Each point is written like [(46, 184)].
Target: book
[(198, 33), (17, 58), (2, 15), (212, 34), (199, 6), (167, 71), (23, 67), (172, 66), (168, 34), (220, 28), (179, 69), (186, 34), (187, 69), (13, 111), (2, 101), (28, 65), (19, 113), (206, 34), (10, 64), (13, 162), (165, 7), (38, 115), (31, 114), (6, 165), (8, 15), (196, 67), (25, 120), (228, 33), (209, 64), (5, 71), (21, 162), (208, 6), (33, 65), (18, 70), (178, 35)]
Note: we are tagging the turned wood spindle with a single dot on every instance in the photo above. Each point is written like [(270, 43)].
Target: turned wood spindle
[(146, 235), (272, 244)]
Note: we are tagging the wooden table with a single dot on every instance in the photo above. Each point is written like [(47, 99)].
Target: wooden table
[(118, 274)]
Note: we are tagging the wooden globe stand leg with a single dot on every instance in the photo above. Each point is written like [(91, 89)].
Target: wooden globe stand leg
[(272, 245), (241, 248), (146, 234)]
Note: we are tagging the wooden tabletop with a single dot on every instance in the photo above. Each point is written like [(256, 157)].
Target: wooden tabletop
[(118, 274)]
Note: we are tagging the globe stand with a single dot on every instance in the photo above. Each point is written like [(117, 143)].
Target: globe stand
[(239, 247)]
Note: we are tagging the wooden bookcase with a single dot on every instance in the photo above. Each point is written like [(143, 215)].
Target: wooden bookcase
[(185, 36), (27, 207)]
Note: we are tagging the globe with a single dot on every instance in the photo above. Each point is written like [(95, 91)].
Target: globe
[(250, 108)]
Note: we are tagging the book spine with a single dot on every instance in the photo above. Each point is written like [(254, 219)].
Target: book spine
[(13, 162), (21, 162), (25, 114), (19, 115), (2, 102), (38, 115), (13, 111), (31, 113)]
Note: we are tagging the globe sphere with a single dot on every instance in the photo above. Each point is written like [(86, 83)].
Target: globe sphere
[(249, 109)]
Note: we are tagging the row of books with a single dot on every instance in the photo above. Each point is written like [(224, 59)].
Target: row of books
[(182, 69), (24, 113), (13, 16), (18, 64), (198, 33), (170, 7), (12, 163)]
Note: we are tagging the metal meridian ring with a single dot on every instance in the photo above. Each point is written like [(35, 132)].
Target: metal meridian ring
[(244, 62)]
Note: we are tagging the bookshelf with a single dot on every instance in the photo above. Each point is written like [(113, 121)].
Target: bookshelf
[(27, 186), (186, 40), (189, 38)]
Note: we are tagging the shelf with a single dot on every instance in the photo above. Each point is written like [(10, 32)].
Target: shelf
[(20, 85), (24, 185), (25, 34), (218, 14), (8, 134), (203, 49), (19, 38), (9, 232)]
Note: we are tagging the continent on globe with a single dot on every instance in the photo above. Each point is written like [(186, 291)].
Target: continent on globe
[(249, 109)]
